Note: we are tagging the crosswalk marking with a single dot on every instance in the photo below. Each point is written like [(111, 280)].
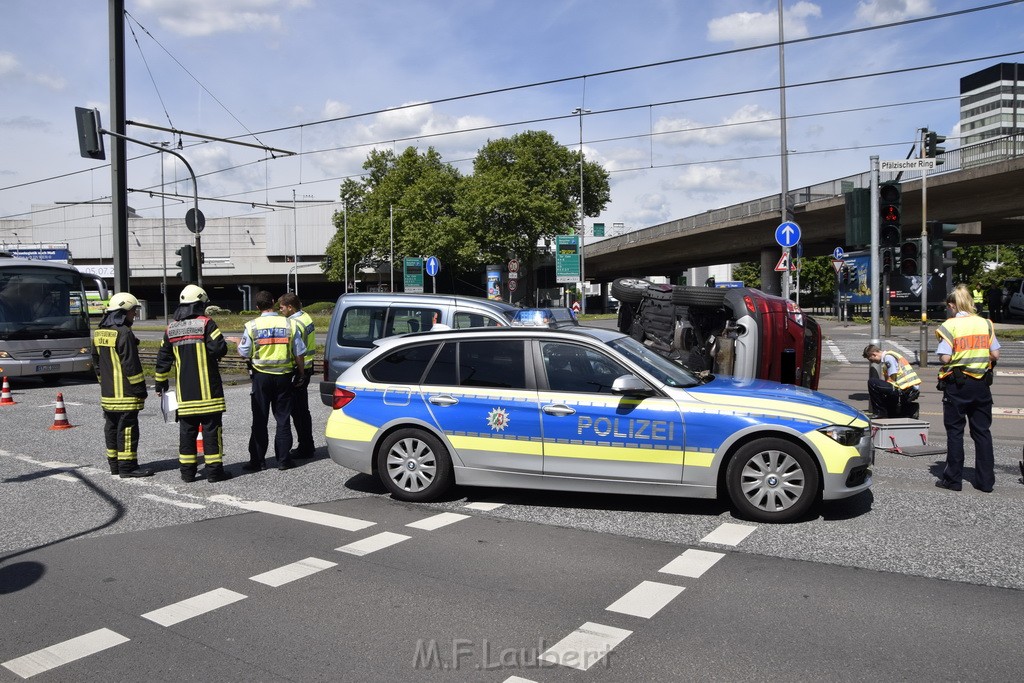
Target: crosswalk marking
[(729, 534), (297, 513), (62, 653), (483, 506), (170, 501), (292, 572), (585, 646), (438, 521), (692, 563), (193, 607), (373, 543), (646, 599)]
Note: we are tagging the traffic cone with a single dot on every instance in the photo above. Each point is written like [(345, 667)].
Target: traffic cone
[(199, 442), (60, 417), (5, 396)]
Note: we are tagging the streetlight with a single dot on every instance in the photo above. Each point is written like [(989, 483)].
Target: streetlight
[(583, 279), (163, 227), (295, 243), (345, 238), (391, 209)]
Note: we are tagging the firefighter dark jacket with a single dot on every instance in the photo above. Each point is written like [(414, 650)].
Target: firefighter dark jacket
[(115, 353), (193, 345)]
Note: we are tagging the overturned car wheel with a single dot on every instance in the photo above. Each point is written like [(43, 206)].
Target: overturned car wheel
[(630, 289)]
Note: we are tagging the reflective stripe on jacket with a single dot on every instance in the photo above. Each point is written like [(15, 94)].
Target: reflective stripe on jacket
[(906, 377), (272, 350), (122, 384), (970, 337), (308, 331)]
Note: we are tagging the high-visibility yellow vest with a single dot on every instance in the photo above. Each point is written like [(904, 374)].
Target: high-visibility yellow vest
[(970, 337), (979, 296), (271, 337), (308, 331), (906, 377)]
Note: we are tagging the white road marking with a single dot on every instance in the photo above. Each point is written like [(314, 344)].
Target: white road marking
[(1012, 412), (373, 543), (485, 507), (193, 607), (692, 563), (901, 348), (518, 679), (645, 600), (1010, 373), (292, 512), (836, 352), (169, 501), (63, 653), (729, 534), (585, 646), (438, 521), (64, 477), (293, 572)]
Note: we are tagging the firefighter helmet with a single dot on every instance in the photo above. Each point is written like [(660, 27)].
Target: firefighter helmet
[(192, 294), (122, 301)]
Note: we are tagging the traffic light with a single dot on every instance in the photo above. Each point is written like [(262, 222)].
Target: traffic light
[(858, 217), (888, 258), (932, 150), (846, 275), (889, 201), (328, 261), (187, 263), (910, 258), (938, 247)]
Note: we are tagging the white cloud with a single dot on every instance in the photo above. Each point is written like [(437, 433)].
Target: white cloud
[(753, 28), (716, 182), (8, 63), (11, 67), (874, 12), (204, 18), (749, 122), (334, 109)]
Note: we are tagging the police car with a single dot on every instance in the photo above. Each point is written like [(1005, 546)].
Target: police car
[(586, 409)]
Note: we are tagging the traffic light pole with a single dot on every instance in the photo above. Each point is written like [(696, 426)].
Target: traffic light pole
[(875, 261), (922, 352), (195, 190)]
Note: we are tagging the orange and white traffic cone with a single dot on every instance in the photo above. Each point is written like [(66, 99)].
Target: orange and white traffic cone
[(199, 442), (60, 416), (5, 396)]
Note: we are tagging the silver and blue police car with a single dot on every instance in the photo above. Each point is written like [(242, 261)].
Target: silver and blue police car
[(586, 409)]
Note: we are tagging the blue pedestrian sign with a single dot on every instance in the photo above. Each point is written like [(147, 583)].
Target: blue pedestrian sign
[(787, 234), (837, 253), (433, 266)]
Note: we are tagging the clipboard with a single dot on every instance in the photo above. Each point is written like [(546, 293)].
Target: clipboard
[(169, 406)]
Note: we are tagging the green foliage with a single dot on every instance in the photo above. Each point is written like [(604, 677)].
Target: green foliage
[(972, 264), (320, 308), (748, 273)]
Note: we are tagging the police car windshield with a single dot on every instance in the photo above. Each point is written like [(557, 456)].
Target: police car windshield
[(662, 369)]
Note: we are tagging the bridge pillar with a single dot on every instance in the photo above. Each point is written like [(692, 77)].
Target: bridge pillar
[(771, 281)]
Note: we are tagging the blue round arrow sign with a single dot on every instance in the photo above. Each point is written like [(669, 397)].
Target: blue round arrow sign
[(787, 234), (433, 266)]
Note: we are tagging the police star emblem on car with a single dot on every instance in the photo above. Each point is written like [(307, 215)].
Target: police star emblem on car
[(591, 410)]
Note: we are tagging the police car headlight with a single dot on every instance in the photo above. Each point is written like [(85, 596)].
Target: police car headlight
[(844, 436)]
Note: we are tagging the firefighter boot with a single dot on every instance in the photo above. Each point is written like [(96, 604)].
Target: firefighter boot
[(129, 469), (215, 473), (114, 468), (188, 473)]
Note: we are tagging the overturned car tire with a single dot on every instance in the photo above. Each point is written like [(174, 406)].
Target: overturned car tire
[(698, 296), (630, 289)]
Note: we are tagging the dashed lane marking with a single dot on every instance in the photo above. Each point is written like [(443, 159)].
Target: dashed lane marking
[(170, 501), (62, 653), (292, 512), (372, 544), (518, 679), (729, 534), (692, 563), (836, 352), (193, 607), (585, 646), (646, 599), (292, 572), (484, 506), (438, 521)]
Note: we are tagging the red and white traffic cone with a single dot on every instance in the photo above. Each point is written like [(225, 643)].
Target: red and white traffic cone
[(5, 396), (199, 442), (60, 416)]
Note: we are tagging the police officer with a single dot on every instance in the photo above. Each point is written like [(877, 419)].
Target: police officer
[(291, 307), (978, 297), (275, 349), (115, 353), (193, 343), (968, 350), (895, 395)]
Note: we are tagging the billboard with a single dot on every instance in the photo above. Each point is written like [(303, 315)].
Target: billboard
[(904, 290)]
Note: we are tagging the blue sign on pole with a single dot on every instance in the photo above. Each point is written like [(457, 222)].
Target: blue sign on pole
[(837, 253), (787, 234), (433, 266)]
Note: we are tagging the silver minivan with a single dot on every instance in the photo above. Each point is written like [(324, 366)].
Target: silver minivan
[(360, 319)]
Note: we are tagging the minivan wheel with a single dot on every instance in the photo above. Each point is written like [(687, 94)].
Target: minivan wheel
[(772, 480), (414, 465), (630, 289), (698, 296)]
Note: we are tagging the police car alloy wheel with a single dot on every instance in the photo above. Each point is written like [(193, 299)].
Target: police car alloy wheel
[(772, 480), (414, 465)]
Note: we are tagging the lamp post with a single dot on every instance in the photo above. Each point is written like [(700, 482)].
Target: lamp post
[(345, 239), (163, 228), (583, 278), (295, 243)]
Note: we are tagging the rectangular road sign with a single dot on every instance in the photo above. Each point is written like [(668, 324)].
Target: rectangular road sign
[(908, 165), (567, 258), (413, 274)]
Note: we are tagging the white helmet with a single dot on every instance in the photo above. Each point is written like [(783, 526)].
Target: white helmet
[(122, 301), (193, 293)]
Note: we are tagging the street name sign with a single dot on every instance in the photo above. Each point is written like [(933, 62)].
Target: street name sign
[(908, 165)]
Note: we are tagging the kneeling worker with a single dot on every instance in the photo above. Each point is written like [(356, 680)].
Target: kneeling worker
[(895, 395), (194, 344)]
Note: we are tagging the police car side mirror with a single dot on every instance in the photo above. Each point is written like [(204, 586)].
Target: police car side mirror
[(630, 385)]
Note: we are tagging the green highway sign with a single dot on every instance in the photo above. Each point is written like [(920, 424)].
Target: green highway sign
[(413, 274), (567, 258)]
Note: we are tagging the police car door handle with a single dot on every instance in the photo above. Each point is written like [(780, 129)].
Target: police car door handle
[(559, 409), (443, 400)]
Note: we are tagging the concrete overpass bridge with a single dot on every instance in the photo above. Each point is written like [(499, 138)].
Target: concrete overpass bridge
[(979, 187)]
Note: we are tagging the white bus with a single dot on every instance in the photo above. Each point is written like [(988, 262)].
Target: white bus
[(44, 318)]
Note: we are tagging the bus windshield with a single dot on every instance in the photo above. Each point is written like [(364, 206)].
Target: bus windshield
[(41, 303)]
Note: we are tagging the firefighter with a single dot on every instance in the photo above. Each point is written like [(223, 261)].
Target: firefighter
[(193, 344), (115, 355), (968, 350), (291, 307), (275, 349), (895, 395)]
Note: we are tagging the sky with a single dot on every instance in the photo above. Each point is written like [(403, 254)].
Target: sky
[(683, 117)]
